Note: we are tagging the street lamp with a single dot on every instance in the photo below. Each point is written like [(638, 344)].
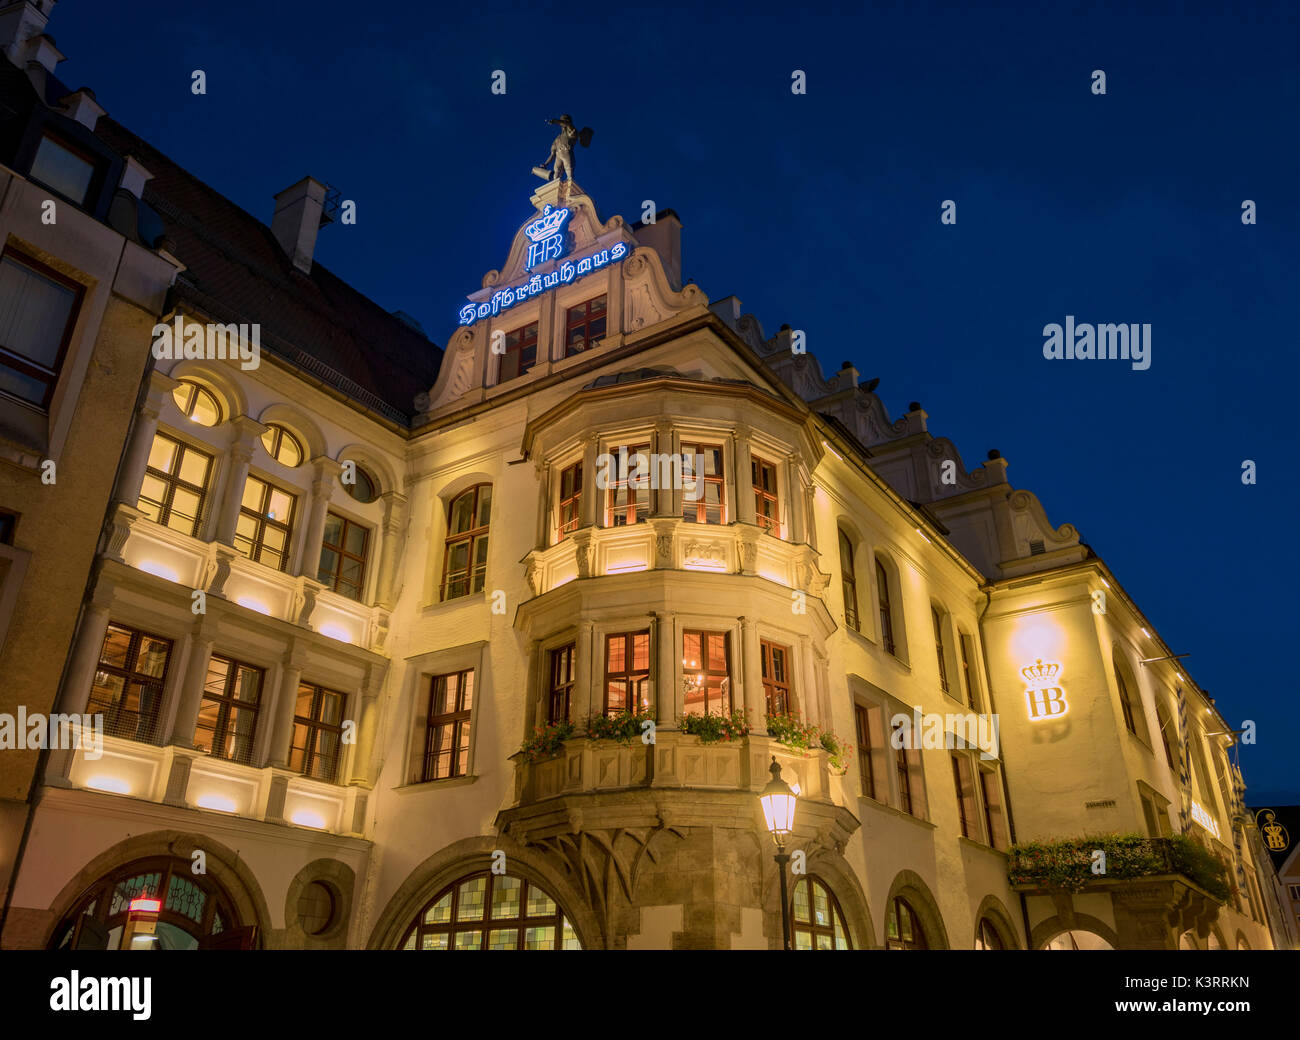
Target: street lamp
[(778, 803)]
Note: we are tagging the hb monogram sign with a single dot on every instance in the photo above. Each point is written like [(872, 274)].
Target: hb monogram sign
[(1043, 694)]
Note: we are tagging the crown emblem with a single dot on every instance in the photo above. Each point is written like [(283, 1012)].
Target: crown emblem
[(1040, 676), (548, 224)]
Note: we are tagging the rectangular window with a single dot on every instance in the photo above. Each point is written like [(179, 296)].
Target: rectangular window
[(561, 686), (584, 326), (848, 582), (8, 525), (317, 732), (63, 168), (886, 610), (627, 672), (939, 650), (520, 352), (1295, 892), (128, 684), (570, 500), (866, 768), (993, 815), (972, 694), (911, 782), (624, 504), (904, 775), (765, 508), (703, 498), (706, 665), (38, 308), (265, 523), (175, 486), (343, 556), (227, 720), (776, 678), (446, 744), (964, 784), (464, 562)]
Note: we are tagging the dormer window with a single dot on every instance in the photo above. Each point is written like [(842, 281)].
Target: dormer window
[(584, 326), (520, 353), (63, 169)]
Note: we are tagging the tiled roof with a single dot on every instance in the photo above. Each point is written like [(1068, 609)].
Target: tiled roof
[(237, 272)]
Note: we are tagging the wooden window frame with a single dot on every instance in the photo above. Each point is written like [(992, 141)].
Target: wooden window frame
[(130, 676), (995, 829), (963, 778), (487, 924), (866, 767), (763, 495), (527, 338), (30, 367), (335, 579), (638, 680), (940, 650), (636, 510), (848, 581), (570, 506), (314, 727), (194, 390), (278, 436), (722, 678), (227, 704), (811, 927), (473, 577), (258, 541), (899, 906), (966, 643), (173, 481), (886, 608), (776, 694), (584, 321), (460, 719), (562, 669), (719, 480)]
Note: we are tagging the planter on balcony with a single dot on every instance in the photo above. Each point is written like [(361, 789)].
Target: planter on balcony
[(1068, 865)]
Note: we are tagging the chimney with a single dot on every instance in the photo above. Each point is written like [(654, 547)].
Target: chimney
[(664, 236), (298, 213), (20, 21)]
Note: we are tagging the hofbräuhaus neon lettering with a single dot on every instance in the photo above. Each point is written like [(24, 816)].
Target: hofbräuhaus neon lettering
[(567, 272)]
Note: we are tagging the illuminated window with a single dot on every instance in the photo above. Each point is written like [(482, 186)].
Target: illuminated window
[(964, 783), (624, 504), (818, 923), (991, 789), (492, 912), (197, 403), (228, 712), (464, 563), (903, 930), (848, 582), (63, 168), (343, 556), (911, 781), (175, 485), (866, 767), (584, 326), (128, 684), (446, 745), (265, 523), (987, 937), (570, 499), (1130, 703), (317, 732), (708, 505), (776, 678), (365, 488), (627, 672), (282, 446), (763, 477), (520, 353), (38, 308), (886, 609), (939, 650), (706, 665), (561, 684)]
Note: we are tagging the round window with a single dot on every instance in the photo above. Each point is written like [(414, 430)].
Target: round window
[(316, 908)]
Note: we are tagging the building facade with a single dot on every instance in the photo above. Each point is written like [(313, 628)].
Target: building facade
[(494, 646)]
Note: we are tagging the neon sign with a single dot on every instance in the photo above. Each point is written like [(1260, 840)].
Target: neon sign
[(504, 299), (547, 236), (1046, 700), (1204, 819)]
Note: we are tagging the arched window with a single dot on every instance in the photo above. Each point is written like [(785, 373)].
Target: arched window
[(365, 488), (1168, 734), (886, 609), (818, 922), (1130, 703), (282, 446), (987, 937), (904, 930), (849, 582), (492, 912), (465, 559), (198, 403), (187, 911), (939, 649)]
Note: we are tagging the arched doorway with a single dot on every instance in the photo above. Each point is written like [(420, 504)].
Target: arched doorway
[(156, 903), (1077, 939)]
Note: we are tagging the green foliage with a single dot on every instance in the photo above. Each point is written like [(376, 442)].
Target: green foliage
[(546, 741), (1067, 864), (791, 731), (623, 727), (714, 728)]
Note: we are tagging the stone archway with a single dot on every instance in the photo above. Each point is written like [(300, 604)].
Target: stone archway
[(992, 907), (836, 873), (910, 886), (1047, 930)]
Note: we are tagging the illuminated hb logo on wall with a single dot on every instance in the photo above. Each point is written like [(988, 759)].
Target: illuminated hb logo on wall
[(546, 235), (1044, 696)]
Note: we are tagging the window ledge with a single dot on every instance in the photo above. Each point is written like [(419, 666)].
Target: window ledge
[(429, 785), (438, 606), (981, 846), (891, 811)]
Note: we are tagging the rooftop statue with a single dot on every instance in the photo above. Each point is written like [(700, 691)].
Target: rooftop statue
[(561, 158)]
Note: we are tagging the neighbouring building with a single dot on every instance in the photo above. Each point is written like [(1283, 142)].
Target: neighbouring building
[(394, 651)]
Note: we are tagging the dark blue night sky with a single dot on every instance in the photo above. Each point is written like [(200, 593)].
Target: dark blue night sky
[(823, 211)]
